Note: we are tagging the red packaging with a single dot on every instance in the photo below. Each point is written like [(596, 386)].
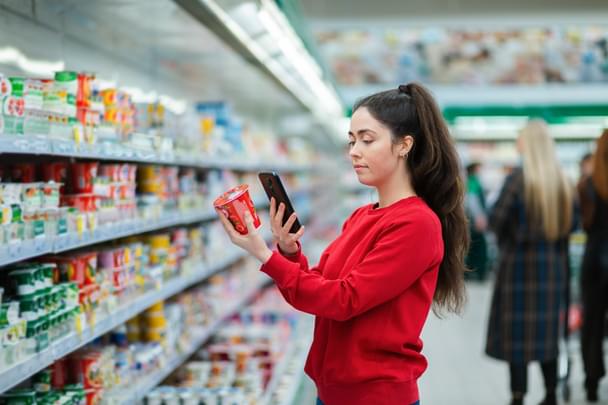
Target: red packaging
[(84, 202), (71, 269), (94, 396), (24, 172), (85, 369), (87, 116), (55, 171), (83, 94), (59, 374), (234, 203), (82, 176), (111, 171), (88, 261)]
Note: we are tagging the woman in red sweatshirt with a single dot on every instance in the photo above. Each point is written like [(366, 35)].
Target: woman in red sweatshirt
[(375, 284)]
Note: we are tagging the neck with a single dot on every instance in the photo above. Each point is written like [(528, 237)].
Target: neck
[(394, 189)]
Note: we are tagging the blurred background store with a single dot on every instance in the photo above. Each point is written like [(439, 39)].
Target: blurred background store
[(122, 120)]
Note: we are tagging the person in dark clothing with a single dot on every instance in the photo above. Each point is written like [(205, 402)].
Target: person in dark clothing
[(532, 219), (477, 256), (593, 194)]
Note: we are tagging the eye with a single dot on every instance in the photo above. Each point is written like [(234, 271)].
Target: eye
[(367, 141), (351, 144)]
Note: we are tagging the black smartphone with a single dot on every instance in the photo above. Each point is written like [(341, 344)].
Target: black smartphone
[(274, 188)]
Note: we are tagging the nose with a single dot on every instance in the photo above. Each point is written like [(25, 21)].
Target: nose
[(354, 151)]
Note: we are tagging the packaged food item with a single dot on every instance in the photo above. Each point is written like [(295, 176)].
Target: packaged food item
[(55, 171), (50, 195), (23, 172), (66, 87), (13, 106), (31, 196), (234, 203), (6, 87), (19, 396), (25, 280), (82, 176)]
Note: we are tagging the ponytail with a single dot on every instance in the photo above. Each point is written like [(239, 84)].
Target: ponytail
[(434, 168)]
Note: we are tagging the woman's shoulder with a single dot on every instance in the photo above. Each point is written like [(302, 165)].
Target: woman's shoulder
[(415, 212)]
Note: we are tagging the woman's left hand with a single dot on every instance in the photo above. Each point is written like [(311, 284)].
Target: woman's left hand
[(253, 242)]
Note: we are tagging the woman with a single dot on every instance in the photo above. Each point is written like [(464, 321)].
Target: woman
[(531, 219), (375, 284), (593, 193)]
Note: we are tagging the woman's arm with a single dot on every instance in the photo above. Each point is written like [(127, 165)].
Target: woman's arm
[(403, 252)]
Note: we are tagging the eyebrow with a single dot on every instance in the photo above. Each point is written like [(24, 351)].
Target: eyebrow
[(362, 131)]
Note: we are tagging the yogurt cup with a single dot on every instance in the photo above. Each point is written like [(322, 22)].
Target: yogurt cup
[(234, 203)]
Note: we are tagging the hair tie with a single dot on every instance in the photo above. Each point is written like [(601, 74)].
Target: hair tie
[(404, 89)]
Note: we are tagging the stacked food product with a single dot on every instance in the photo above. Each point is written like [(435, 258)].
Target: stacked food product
[(50, 297), (240, 361), (57, 197), (73, 107), (110, 369)]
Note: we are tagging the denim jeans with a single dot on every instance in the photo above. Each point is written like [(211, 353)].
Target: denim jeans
[(319, 402)]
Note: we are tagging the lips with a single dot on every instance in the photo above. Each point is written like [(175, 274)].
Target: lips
[(359, 166)]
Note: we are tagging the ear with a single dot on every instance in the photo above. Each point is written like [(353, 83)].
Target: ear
[(406, 145)]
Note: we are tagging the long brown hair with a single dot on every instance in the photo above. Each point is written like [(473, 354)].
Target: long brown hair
[(600, 166), (434, 168)]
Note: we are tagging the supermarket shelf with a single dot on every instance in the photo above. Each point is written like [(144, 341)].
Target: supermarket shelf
[(40, 145), (290, 397), (19, 251), (73, 341), (278, 373), (146, 384)]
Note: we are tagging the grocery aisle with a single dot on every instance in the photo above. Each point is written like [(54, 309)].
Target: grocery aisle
[(460, 373)]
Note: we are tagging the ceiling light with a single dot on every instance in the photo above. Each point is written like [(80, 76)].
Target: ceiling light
[(13, 56)]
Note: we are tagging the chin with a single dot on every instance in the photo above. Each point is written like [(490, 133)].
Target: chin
[(366, 182)]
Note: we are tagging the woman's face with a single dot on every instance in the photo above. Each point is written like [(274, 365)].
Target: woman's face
[(371, 150)]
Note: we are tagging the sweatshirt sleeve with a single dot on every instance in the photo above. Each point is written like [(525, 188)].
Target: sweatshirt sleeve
[(402, 253)]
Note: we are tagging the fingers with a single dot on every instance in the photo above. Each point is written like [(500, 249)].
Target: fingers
[(300, 232), (277, 219), (226, 224), (249, 223), (289, 223), (272, 207), (280, 213)]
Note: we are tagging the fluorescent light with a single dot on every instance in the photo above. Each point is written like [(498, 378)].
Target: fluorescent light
[(269, 36), (487, 128), (13, 56)]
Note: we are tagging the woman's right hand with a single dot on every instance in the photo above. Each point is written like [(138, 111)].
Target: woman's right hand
[(287, 241)]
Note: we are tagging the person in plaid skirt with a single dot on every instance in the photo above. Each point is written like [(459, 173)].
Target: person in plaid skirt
[(532, 219)]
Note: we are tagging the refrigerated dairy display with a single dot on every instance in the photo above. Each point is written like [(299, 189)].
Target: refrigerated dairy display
[(106, 221), (73, 115), (245, 361), (71, 290), (251, 359)]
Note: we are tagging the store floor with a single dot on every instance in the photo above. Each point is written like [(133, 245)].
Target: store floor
[(460, 373)]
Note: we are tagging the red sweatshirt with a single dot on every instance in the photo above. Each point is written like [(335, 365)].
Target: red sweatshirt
[(371, 293)]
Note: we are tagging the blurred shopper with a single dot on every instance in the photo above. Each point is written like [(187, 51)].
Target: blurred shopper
[(586, 166), (375, 284), (593, 193), (477, 256), (532, 219)]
